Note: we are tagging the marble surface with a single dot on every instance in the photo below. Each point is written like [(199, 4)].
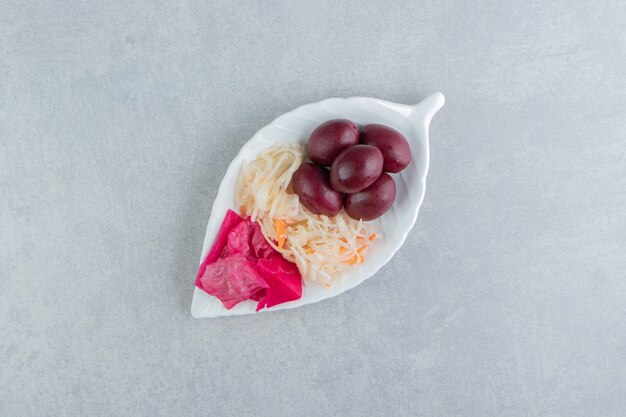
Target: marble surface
[(118, 119)]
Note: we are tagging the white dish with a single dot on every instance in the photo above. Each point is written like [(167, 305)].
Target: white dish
[(394, 226)]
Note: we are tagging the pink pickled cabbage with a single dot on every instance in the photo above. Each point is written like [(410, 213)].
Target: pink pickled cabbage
[(262, 249), (241, 265), (284, 279), (239, 241), (232, 280), (231, 220)]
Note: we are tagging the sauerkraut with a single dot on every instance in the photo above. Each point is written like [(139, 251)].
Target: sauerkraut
[(322, 247)]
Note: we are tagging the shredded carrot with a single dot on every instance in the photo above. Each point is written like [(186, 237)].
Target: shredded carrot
[(308, 250), (242, 210), (359, 251), (281, 230), (355, 259), (371, 238)]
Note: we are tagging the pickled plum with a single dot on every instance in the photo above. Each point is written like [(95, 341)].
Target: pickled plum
[(372, 202), (312, 184), (358, 164), (394, 147), (330, 138), (356, 168)]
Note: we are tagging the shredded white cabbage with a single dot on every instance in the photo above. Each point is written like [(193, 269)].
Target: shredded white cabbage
[(322, 247)]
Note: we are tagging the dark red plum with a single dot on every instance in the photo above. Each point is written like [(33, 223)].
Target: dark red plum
[(356, 168), (394, 147), (330, 138), (372, 202), (311, 183)]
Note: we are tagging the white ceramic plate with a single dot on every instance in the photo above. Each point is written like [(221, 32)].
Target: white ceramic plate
[(393, 227)]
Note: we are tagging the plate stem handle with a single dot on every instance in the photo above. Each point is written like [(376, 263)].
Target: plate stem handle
[(423, 112)]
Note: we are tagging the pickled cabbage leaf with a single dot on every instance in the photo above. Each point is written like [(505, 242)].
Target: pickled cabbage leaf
[(242, 265), (232, 279), (284, 279)]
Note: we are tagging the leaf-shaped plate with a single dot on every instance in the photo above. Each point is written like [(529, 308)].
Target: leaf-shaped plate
[(393, 227)]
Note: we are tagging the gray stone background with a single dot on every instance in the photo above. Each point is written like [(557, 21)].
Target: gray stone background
[(118, 120)]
